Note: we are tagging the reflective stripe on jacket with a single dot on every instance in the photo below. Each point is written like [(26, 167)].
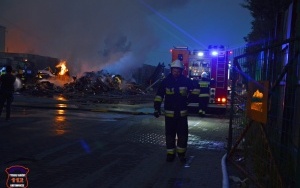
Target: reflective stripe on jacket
[(174, 93), (204, 88), (195, 91)]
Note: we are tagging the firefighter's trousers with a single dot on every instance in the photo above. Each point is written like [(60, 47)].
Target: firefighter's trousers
[(176, 126), (8, 98), (203, 103)]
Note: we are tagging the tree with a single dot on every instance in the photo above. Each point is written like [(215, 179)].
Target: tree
[(265, 14)]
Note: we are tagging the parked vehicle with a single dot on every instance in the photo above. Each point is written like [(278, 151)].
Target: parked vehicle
[(215, 62)]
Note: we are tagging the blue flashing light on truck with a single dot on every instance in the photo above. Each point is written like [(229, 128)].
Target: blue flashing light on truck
[(215, 62)]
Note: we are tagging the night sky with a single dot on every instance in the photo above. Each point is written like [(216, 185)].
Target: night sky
[(119, 35)]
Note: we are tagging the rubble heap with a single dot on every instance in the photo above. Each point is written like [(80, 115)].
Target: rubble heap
[(96, 87)]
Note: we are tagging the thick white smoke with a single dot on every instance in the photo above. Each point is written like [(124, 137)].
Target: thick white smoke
[(91, 35)]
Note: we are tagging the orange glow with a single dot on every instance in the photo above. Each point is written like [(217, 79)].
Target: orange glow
[(258, 94), (61, 105), (60, 122), (223, 100), (60, 112), (63, 67), (256, 101), (60, 98), (60, 119)]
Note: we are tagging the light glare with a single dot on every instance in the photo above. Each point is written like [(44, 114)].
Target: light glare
[(214, 53), (200, 54)]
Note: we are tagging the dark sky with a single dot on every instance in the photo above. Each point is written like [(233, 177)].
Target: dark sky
[(119, 35)]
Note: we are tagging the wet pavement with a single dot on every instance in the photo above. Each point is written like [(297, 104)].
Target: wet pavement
[(100, 145)]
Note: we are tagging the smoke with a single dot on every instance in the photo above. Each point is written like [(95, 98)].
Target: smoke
[(91, 35)]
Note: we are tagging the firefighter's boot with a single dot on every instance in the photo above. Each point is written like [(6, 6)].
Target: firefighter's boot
[(170, 157), (182, 157), (200, 112)]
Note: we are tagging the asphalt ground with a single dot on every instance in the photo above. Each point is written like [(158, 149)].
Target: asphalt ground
[(66, 144)]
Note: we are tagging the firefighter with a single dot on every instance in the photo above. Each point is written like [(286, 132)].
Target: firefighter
[(7, 82), (174, 91), (204, 85)]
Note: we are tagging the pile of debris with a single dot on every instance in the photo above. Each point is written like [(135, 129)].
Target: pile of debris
[(98, 87)]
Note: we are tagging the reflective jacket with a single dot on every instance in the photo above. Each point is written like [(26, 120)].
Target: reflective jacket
[(174, 93), (204, 85)]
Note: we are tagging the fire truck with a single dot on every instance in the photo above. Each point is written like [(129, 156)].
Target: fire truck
[(215, 62), (22, 69)]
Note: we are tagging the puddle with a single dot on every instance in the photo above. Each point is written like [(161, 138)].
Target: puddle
[(196, 141)]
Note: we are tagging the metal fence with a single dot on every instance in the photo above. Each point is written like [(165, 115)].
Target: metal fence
[(267, 153)]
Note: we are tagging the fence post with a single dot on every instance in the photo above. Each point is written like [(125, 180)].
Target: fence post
[(233, 89), (297, 46)]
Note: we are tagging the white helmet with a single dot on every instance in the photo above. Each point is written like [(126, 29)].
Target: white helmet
[(177, 64), (204, 75)]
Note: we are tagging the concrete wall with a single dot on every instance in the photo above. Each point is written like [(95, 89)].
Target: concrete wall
[(2, 39)]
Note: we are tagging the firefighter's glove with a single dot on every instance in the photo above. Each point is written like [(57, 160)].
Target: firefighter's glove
[(157, 113)]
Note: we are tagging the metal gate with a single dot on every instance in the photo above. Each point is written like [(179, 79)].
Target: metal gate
[(267, 153)]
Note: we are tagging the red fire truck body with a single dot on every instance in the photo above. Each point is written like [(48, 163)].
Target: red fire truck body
[(215, 62)]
